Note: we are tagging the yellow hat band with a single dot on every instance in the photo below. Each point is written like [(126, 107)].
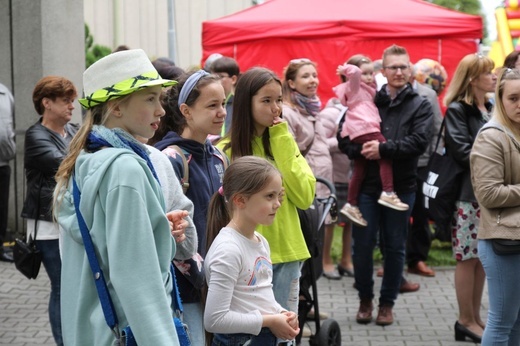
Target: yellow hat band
[(123, 88)]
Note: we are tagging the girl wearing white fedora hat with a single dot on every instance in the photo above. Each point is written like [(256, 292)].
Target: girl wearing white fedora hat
[(122, 206)]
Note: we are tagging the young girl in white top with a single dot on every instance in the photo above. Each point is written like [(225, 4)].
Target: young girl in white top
[(240, 305), (363, 124)]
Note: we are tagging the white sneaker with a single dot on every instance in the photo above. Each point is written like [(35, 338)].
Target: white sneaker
[(390, 200), (353, 213)]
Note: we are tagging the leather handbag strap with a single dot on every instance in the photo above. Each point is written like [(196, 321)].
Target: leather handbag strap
[(440, 134), (37, 214)]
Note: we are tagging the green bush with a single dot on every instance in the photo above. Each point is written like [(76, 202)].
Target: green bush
[(93, 52), (440, 253)]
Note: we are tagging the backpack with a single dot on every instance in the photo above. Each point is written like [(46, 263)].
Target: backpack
[(186, 157)]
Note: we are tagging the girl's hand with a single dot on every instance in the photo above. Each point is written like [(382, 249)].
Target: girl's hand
[(292, 319), (277, 120), (280, 326), (340, 70), (178, 224)]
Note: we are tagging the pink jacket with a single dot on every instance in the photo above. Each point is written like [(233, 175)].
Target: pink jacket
[(362, 115), (329, 117)]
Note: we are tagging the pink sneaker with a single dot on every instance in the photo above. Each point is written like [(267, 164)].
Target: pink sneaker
[(354, 215), (390, 200)]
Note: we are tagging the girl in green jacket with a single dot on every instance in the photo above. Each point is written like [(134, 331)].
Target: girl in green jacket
[(258, 129)]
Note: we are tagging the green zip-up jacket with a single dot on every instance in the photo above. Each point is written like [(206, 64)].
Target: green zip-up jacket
[(284, 235)]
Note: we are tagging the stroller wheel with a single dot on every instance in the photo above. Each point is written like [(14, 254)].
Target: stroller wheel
[(329, 334)]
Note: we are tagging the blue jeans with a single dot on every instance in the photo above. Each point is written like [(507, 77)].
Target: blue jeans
[(52, 262), (286, 284), (393, 226), (265, 338), (194, 318), (503, 279)]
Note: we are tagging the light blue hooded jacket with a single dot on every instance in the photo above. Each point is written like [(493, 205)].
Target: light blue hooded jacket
[(123, 207)]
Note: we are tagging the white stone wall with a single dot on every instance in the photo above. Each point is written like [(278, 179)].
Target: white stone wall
[(144, 24)]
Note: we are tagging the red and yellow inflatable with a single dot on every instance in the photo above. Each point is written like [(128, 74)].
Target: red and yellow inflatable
[(508, 30)]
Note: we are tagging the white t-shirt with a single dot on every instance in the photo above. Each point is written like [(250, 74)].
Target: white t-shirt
[(239, 274), (380, 80), (46, 230)]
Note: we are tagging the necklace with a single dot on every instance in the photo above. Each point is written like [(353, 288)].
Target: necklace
[(236, 227), (251, 236)]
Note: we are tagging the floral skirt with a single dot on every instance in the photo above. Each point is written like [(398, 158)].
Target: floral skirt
[(464, 230)]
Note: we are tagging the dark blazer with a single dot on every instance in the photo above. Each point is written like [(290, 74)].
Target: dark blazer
[(44, 151), (463, 123)]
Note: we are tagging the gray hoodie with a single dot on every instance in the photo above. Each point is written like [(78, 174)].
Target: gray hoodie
[(7, 144)]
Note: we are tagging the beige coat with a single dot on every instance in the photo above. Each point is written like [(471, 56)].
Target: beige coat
[(495, 175)]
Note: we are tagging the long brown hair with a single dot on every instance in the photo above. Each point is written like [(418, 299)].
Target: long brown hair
[(469, 68), (243, 125)]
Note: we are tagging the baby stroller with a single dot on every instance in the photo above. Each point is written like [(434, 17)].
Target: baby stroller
[(312, 222)]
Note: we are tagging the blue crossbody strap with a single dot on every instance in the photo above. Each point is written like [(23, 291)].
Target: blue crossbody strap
[(176, 297), (101, 286), (99, 278)]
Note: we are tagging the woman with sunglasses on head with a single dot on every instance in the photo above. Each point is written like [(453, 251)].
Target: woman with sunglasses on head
[(301, 111), (468, 110), (496, 181)]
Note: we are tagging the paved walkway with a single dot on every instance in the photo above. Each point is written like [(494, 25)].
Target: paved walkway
[(424, 318)]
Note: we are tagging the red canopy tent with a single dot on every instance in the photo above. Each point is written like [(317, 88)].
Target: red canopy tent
[(330, 31)]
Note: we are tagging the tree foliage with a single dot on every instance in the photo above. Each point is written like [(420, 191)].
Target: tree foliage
[(93, 52), (466, 6)]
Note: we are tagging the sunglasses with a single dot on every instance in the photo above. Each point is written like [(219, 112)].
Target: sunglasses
[(511, 71)]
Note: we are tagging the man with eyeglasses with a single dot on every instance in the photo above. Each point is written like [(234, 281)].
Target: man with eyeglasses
[(405, 121)]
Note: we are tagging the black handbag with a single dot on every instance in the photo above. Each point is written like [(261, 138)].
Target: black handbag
[(27, 258), (440, 188), (504, 247)]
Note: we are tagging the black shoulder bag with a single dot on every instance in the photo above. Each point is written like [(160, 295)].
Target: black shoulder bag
[(440, 188), (27, 258)]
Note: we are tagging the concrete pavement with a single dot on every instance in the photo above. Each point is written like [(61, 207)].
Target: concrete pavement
[(424, 318)]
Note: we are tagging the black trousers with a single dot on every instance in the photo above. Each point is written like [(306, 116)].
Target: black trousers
[(419, 235), (5, 175)]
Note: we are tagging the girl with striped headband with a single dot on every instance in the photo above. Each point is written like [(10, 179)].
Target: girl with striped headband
[(195, 108)]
